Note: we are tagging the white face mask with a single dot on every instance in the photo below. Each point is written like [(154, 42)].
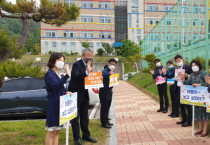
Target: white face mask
[(158, 64), (180, 63), (59, 64), (111, 67), (195, 68)]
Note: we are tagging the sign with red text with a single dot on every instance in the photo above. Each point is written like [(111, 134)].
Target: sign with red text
[(160, 80), (94, 80)]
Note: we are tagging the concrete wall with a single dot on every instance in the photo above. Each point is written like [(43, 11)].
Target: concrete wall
[(97, 67)]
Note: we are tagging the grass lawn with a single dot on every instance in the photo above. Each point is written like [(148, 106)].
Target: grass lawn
[(128, 68), (148, 85), (34, 133)]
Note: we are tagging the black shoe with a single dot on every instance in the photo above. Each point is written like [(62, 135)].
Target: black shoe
[(110, 124), (90, 139), (106, 126), (181, 122), (165, 110), (171, 114), (109, 118), (78, 142), (160, 110), (186, 124), (174, 116)]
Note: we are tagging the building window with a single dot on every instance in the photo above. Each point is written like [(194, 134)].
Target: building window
[(104, 5), (152, 21), (50, 33), (138, 34), (64, 46), (70, 34), (135, 6), (87, 34), (168, 22), (152, 7), (104, 19), (196, 8), (98, 45), (202, 22), (92, 46), (46, 43), (104, 34), (86, 4), (167, 7), (70, 2), (73, 47), (87, 19), (195, 22), (54, 46), (195, 36)]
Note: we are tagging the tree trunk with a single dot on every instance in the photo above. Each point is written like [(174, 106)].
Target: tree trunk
[(25, 32), (4, 55)]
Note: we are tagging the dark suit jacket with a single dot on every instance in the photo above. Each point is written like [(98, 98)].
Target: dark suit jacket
[(78, 75)]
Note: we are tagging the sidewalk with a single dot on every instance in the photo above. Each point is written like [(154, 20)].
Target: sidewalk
[(139, 123)]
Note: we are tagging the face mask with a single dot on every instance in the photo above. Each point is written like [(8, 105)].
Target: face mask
[(170, 66), (111, 67), (195, 68), (180, 63), (158, 64), (88, 59), (59, 64)]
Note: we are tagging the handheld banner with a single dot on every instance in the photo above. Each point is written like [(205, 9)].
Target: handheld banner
[(193, 96), (68, 108), (207, 101), (114, 80), (160, 80), (177, 71), (94, 80), (170, 81)]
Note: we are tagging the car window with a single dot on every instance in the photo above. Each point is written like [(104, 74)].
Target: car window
[(38, 84), (15, 85)]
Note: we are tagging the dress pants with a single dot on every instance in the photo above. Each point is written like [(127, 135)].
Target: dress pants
[(105, 96), (82, 106), (186, 110), (172, 93), (162, 90)]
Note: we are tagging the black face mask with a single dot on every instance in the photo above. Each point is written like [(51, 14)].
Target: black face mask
[(88, 59)]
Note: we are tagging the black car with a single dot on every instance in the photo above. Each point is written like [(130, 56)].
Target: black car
[(23, 97)]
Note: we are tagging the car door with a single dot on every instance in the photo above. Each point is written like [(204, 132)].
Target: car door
[(12, 94), (35, 100)]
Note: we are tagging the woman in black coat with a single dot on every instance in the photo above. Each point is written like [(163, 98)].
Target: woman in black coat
[(55, 88)]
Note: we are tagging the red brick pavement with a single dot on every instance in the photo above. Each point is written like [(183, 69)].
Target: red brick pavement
[(138, 123)]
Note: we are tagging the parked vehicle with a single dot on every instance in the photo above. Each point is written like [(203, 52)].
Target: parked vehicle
[(28, 96)]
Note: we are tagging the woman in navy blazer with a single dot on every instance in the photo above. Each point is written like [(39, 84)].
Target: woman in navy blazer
[(55, 88)]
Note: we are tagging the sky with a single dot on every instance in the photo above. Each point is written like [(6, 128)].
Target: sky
[(14, 1)]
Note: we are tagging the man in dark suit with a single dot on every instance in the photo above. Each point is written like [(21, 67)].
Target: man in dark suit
[(80, 70), (186, 110)]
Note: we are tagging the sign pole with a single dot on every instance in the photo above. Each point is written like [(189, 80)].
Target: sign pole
[(193, 120), (67, 133)]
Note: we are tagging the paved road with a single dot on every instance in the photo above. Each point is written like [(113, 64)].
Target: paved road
[(138, 123)]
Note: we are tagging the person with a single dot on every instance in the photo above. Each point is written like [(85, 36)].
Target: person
[(207, 79), (55, 88), (169, 74), (105, 94), (197, 78), (162, 88), (186, 110), (80, 70)]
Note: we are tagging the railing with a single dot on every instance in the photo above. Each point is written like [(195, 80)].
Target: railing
[(183, 30)]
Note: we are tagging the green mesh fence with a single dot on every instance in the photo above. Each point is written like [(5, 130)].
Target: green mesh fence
[(183, 30)]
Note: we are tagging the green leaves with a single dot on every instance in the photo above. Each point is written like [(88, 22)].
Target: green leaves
[(13, 69), (150, 58), (108, 48), (129, 48)]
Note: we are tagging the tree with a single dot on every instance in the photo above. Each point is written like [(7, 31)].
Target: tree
[(100, 51), (107, 48), (57, 13), (150, 58), (8, 46), (85, 44), (129, 48)]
